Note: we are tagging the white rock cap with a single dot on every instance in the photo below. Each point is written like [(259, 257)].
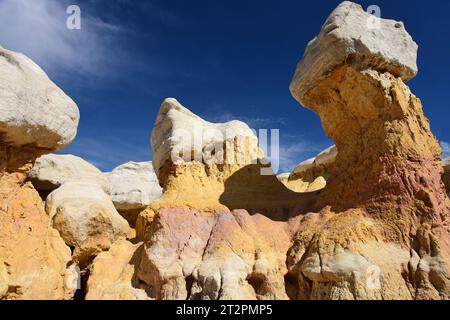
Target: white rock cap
[(282, 176), (178, 130), (133, 185), (352, 36), (304, 166), (324, 158), (327, 156), (33, 110), (53, 170)]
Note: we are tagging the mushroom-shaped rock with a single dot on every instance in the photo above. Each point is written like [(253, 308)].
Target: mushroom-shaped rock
[(51, 171), (389, 163), (86, 218), (34, 112), (132, 187), (351, 36)]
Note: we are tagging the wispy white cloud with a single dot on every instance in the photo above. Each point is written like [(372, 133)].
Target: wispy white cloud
[(445, 149), (38, 29)]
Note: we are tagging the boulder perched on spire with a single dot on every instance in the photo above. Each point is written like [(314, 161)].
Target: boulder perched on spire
[(353, 37)]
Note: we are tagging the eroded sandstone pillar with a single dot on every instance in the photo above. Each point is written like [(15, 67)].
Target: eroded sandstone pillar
[(388, 166)]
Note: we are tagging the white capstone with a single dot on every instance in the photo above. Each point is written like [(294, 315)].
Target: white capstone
[(304, 166), (324, 158), (352, 36), (33, 110), (327, 156), (178, 131)]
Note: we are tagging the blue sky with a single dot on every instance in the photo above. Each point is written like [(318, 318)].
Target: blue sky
[(222, 59)]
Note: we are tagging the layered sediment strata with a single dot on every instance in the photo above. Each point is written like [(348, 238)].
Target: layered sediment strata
[(200, 241), (36, 117)]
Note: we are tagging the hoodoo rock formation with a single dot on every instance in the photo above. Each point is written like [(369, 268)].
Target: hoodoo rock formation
[(36, 117), (377, 230), (366, 219), (385, 190), (196, 246)]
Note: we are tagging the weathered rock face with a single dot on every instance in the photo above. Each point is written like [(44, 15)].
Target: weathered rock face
[(312, 174), (33, 257), (4, 280), (221, 255), (36, 117), (391, 162), (51, 171), (133, 186), (86, 219), (113, 274)]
